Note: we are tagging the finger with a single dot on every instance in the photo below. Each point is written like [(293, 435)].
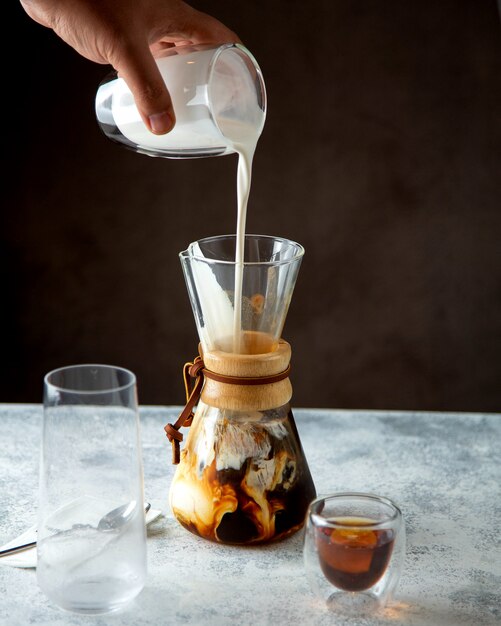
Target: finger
[(139, 70)]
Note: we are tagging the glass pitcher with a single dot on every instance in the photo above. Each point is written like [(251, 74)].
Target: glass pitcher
[(242, 476), (217, 91)]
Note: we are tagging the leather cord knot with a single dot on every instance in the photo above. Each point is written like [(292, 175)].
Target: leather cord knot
[(193, 390)]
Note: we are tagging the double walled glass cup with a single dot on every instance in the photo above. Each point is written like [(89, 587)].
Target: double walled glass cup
[(354, 548), (217, 92), (91, 546)]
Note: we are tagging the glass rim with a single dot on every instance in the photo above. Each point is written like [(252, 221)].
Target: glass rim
[(218, 51), (299, 251), (65, 389), (113, 74), (396, 513)]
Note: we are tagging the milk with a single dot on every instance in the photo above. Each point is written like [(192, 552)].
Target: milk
[(244, 174), (211, 87), (244, 146)]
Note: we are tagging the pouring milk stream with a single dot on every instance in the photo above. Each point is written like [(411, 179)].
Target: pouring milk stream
[(245, 149)]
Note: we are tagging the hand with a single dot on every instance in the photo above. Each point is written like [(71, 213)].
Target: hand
[(126, 34)]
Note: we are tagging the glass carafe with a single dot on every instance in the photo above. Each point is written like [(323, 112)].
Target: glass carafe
[(242, 476), (217, 91)]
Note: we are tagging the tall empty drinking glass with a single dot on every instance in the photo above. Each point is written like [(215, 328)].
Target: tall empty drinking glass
[(91, 544)]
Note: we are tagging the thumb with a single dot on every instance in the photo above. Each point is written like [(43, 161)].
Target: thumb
[(139, 70)]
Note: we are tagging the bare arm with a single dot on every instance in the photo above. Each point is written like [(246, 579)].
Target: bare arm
[(125, 34)]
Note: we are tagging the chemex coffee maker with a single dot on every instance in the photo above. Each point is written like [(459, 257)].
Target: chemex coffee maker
[(241, 476)]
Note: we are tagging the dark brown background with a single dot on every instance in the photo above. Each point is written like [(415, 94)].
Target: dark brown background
[(381, 154)]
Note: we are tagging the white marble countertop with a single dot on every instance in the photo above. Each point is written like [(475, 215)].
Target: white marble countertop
[(443, 469)]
